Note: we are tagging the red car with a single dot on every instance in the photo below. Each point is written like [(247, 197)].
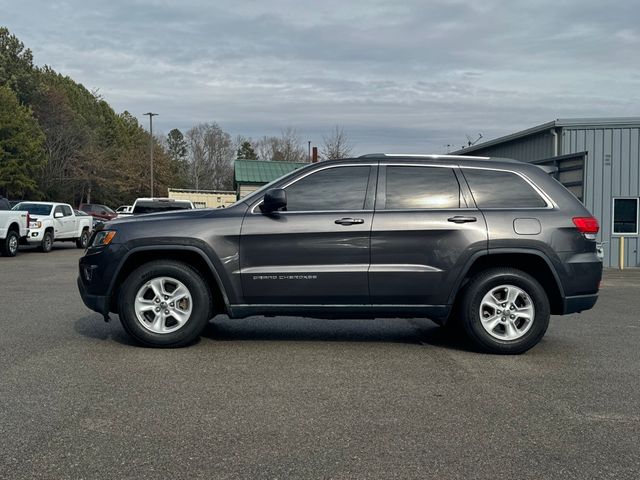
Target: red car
[(101, 212)]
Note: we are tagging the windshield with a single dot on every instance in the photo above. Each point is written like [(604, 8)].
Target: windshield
[(154, 207), (34, 208)]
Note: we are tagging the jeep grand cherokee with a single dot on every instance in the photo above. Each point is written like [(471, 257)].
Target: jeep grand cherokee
[(495, 245)]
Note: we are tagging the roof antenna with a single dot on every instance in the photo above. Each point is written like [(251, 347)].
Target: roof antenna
[(472, 142)]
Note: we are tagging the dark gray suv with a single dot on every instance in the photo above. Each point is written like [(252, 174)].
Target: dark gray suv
[(495, 246)]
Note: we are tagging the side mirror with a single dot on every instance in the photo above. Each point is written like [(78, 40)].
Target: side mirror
[(58, 215), (274, 199)]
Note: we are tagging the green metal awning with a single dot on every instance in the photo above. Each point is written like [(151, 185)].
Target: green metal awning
[(262, 171)]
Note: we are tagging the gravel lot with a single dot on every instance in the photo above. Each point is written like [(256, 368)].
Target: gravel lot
[(299, 398)]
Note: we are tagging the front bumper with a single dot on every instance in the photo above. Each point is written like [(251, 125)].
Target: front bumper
[(98, 270), (97, 303), (34, 236)]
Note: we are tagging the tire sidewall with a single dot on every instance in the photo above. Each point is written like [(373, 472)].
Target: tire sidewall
[(45, 248), (200, 311), (481, 286), (6, 248), (84, 239)]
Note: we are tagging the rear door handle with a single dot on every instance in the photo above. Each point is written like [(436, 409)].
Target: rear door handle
[(461, 219), (349, 221)]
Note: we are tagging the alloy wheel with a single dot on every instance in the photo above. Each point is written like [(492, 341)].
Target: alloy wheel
[(163, 305), (507, 312)]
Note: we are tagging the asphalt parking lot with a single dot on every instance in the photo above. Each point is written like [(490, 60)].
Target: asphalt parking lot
[(299, 398)]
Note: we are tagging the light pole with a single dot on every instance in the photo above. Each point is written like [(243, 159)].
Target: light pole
[(151, 115)]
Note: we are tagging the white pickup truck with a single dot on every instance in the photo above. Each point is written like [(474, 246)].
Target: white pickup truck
[(14, 225), (52, 222)]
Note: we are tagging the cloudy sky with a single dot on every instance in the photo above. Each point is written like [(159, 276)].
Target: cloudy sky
[(410, 76)]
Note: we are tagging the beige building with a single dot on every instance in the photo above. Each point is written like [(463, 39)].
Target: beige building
[(204, 198)]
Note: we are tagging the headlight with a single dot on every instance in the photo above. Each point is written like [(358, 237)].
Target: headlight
[(103, 238), (35, 224)]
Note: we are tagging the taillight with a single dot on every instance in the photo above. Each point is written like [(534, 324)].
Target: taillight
[(587, 226), (28, 220)]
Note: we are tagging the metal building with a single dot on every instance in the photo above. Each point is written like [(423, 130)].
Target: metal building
[(249, 175), (598, 159)]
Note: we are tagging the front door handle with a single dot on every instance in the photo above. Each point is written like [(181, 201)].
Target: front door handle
[(350, 221), (461, 219)]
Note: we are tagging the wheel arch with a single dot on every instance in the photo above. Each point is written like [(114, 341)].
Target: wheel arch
[(189, 255), (533, 262)]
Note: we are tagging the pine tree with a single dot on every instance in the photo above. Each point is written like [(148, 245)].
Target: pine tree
[(21, 152), (246, 151)]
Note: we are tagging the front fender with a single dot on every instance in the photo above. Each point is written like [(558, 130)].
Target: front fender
[(185, 245)]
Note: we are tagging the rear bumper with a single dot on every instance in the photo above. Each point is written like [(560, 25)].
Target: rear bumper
[(578, 303)]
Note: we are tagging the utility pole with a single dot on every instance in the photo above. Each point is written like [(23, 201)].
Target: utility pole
[(151, 115), (309, 158)]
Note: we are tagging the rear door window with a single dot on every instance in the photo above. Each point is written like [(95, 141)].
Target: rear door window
[(409, 187), (500, 189)]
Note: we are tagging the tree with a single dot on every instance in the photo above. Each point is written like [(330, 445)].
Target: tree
[(246, 151), (336, 145), (210, 157), (176, 145), (16, 66), (66, 139), (286, 148), (21, 153)]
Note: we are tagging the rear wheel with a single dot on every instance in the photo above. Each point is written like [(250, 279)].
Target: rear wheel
[(47, 242), (83, 241), (9, 246), (164, 304), (505, 311)]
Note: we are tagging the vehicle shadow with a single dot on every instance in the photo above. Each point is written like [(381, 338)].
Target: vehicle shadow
[(296, 329), (92, 326)]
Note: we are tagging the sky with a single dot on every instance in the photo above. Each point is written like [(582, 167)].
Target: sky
[(398, 76)]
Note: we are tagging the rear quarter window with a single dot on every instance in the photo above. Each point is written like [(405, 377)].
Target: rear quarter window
[(500, 189)]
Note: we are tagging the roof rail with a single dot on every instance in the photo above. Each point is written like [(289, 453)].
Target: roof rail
[(418, 155)]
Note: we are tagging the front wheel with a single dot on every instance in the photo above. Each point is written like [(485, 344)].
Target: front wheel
[(504, 310), (83, 241), (47, 242), (164, 304), (9, 246)]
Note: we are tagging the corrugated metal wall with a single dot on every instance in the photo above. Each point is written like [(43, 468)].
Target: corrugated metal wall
[(612, 170), (526, 149)]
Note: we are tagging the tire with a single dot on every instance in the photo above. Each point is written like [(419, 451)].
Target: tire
[(514, 326), (9, 246), (150, 327), (83, 241), (47, 242)]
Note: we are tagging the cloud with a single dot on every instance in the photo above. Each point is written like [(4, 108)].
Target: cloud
[(410, 76)]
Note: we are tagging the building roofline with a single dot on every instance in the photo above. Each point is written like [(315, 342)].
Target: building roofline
[(270, 161), (191, 190), (560, 122)]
